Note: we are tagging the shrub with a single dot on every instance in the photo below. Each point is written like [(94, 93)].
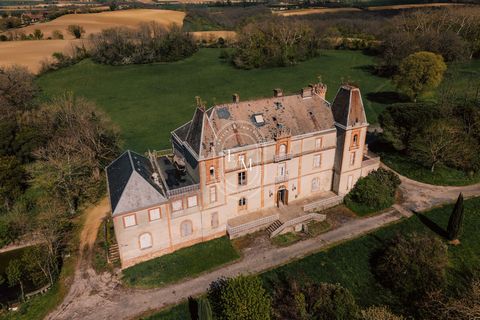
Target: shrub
[(412, 265), (76, 30), (57, 34), (373, 192), (313, 301), (242, 298)]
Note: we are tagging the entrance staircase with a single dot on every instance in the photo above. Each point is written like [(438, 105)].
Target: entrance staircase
[(113, 253), (274, 226)]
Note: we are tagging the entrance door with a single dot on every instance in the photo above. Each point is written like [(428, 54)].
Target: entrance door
[(282, 197)]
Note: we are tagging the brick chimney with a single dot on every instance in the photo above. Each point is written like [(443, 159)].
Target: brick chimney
[(320, 89), (306, 92), (277, 93), (235, 98)]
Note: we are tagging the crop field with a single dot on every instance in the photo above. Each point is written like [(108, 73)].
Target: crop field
[(149, 101), (96, 22)]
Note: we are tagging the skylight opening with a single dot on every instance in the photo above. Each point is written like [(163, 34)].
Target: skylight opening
[(259, 119)]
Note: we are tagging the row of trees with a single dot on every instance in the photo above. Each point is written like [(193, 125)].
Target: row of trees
[(150, 43), (51, 155)]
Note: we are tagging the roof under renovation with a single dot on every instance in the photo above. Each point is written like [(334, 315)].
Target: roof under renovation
[(237, 124)]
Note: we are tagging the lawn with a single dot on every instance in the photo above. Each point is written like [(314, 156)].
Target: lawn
[(187, 262), (441, 176), (349, 263), (149, 101)]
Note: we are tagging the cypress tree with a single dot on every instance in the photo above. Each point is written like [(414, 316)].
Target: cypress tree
[(204, 310), (456, 220)]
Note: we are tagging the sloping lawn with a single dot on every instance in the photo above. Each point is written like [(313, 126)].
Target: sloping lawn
[(149, 101), (442, 175), (187, 262), (349, 263)]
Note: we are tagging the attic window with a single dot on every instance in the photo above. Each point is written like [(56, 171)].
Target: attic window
[(259, 119)]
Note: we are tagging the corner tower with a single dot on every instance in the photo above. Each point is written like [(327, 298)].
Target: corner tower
[(351, 124)]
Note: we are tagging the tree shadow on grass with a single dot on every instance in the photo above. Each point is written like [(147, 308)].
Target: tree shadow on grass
[(431, 225), (386, 97)]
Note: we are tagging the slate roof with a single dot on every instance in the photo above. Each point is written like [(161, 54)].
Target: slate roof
[(227, 126), (130, 183), (348, 108)]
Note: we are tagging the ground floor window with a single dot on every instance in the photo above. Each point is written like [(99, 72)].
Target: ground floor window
[(315, 184), (145, 240), (242, 203), (186, 228)]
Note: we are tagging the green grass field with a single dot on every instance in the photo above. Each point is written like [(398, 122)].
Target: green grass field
[(149, 101), (349, 263), (187, 262)]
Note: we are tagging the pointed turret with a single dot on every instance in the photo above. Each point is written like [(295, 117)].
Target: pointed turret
[(348, 108)]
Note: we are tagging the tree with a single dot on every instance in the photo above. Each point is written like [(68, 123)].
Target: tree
[(440, 142), (81, 142), (412, 265), (13, 180), (242, 298), (204, 310), (313, 301), (76, 30), (420, 72), (37, 34), (17, 89), (379, 313), (456, 219), (15, 275)]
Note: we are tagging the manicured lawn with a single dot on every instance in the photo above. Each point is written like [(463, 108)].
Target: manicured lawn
[(177, 312), (413, 170), (187, 262), (149, 101)]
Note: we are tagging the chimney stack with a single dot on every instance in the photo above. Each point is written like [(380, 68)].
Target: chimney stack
[(320, 89), (277, 93), (236, 98), (306, 92)]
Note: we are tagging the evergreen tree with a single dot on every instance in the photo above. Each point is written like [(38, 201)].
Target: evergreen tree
[(456, 219), (204, 310)]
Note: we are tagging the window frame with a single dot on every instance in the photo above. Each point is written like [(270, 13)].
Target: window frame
[(318, 143), (214, 188), (176, 201), (319, 157), (150, 214), (240, 181), (134, 215), (188, 201), (214, 218), (184, 222), (140, 241), (353, 156)]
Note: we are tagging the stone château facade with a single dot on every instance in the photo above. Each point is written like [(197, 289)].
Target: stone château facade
[(238, 167)]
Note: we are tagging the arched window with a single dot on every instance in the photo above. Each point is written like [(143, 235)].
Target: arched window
[(145, 240), (355, 140), (186, 228), (282, 150)]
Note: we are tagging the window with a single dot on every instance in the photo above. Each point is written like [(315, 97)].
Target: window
[(214, 221), (145, 240), (186, 228), (242, 202), (242, 178), (315, 184), (154, 214), (352, 158), (192, 201), (213, 194), (281, 171), (318, 143), (355, 140), (212, 172), (241, 161), (317, 160), (177, 205), (282, 150), (129, 221)]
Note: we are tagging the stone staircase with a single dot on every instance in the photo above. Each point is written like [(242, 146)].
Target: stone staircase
[(113, 253), (274, 226)]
